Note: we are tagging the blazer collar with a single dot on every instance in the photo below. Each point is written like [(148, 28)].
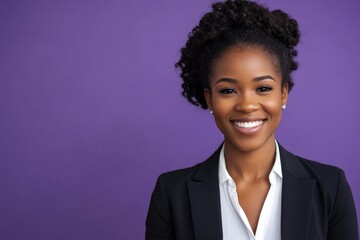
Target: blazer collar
[(297, 195), (204, 197), (291, 164)]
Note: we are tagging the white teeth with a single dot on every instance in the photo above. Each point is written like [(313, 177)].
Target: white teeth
[(248, 124)]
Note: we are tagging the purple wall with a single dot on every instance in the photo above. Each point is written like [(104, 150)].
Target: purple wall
[(91, 111)]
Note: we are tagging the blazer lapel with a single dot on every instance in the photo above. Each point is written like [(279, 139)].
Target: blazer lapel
[(297, 197), (204, 199)]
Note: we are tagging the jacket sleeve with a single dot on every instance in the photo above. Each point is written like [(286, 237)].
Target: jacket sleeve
[(343, 221), (158, 220)]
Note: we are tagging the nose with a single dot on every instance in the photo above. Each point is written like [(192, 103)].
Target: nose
[(246, 103)]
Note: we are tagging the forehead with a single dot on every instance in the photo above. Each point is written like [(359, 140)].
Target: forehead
[(244, 61)]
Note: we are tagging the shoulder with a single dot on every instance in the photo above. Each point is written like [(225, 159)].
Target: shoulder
[(320, 171), (179, 176), (330, 180), (301, 167), (176, 181), (172, 185)]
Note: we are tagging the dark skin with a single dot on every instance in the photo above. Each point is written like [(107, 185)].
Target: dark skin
[(245, 88)]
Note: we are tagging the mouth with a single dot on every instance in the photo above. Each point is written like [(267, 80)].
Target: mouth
[(248, 127), (250, 124)]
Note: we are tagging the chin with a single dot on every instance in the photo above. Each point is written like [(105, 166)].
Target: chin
[(248, 144)]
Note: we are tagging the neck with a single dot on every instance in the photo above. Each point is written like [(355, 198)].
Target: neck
[(250, 165)]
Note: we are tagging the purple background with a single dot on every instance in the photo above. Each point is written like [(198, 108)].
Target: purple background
[(91, 111)]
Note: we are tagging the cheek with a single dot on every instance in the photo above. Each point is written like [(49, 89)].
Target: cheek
[(273, 107), (222, 106)]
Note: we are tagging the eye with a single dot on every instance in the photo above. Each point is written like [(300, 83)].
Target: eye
[(264, 89), (227, 91)]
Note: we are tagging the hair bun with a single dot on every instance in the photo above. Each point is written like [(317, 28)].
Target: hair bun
[(285, 28)]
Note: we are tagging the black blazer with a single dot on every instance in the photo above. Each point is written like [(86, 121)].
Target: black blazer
[(317, 202)]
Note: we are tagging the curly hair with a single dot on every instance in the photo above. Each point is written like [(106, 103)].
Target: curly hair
[(231, 23)]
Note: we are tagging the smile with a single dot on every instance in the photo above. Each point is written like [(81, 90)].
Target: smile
[(248, 127), (248, 124)]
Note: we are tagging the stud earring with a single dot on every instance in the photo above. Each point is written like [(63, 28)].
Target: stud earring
[(283, 106), (211, 112)]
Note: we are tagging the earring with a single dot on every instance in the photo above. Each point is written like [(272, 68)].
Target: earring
[(283, 106), (211, 112)]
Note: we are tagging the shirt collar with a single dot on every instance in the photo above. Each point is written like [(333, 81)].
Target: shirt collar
[(277, 164), (225, 176), (223, 173)]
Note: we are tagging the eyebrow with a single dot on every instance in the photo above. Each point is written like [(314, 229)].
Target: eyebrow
[(263, 78), (256, 79)]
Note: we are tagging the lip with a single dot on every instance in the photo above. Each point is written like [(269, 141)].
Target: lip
[(251, 130)]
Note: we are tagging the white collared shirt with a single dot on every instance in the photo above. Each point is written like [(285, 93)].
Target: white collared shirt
[(235, 224)]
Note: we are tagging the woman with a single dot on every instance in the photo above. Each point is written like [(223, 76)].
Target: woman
[(237, 63)]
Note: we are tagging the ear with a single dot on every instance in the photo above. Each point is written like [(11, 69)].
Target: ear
[(207, 95), (284, 94)]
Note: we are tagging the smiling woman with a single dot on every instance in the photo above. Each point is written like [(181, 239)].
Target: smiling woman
[(246, 98), (237, 63)]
